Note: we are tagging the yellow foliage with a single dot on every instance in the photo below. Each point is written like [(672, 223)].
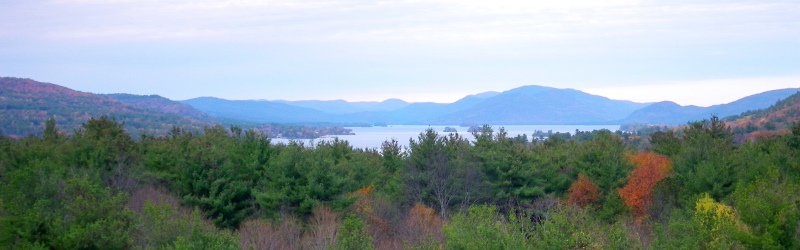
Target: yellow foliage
[(719, 219), (719, 212)]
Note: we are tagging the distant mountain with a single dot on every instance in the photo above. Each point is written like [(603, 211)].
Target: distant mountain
[(259, 111), (776, 119), (524, 105), (344, 107), (754, 102), (485, 95), (541, 105), (674, 114), (158, 103), (26, 104), (667, 112)]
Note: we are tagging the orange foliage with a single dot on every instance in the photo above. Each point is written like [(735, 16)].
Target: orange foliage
[(422, 225), (421, 215), (637, 193), (364, 203), (583, 192)]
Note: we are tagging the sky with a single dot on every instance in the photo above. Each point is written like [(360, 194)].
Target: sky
[(701, 52)]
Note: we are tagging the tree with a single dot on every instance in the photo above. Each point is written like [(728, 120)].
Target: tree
[(353, 235), (441, 170), (637, 193), (708, 225), (665, 143), (769, 205), (705, 163), (603, 158), (51, 130), (482, 228), (583, 192)]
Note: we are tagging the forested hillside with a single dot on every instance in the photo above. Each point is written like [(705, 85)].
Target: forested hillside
[(25, 104), (776, 119), (667, 112), (233, 188)]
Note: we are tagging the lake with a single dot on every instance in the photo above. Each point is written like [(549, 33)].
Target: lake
[(373, 137)]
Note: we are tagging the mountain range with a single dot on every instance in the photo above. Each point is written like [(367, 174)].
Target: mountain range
[(25, 104), (520, 106)]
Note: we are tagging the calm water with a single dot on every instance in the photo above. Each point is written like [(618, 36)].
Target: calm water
[(372, 137)]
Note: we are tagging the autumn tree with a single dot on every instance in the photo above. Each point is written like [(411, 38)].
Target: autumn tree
[(422, 228), (583, 192), (637, 193)]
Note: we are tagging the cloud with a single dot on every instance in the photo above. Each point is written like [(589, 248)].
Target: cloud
[(435, 23)]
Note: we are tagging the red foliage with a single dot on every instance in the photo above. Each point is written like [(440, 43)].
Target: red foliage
[(637, 193), (583, 192)]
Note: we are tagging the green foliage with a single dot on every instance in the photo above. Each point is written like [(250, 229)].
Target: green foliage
[(712, 225), (769, 205), (483, 228), (508, 168), (65, 191), (705, 165), (441, 170), (163, 227), (300, 178), (569, 227), (44, 205), (665, 143), (603, 158), (353, 235)]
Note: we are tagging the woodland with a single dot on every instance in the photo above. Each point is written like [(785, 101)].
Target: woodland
[(693, 187)]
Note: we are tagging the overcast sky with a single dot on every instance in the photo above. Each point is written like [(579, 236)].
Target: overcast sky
[(700, 52)]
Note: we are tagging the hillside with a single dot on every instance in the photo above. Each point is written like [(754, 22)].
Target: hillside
[(25, 104), (160, 104), (674, 114), (777, 119)]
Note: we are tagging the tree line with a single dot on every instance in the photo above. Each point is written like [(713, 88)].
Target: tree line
[(230, 188)]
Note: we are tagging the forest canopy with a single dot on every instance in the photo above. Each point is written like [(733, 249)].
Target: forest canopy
[(229, 188)]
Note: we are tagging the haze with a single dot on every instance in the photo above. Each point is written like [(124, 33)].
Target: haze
[(692, 52)]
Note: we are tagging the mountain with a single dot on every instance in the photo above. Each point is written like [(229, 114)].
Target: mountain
[(524, 105), (485, 95), (25, 105), (259, 111), (776, 119), (344, 107), (674, 114), (667, 112), (753, 102), (159, 104), (541, 105)]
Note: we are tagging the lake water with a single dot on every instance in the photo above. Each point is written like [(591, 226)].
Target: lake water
[(372, 137)]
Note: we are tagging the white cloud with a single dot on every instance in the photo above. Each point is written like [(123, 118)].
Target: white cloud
[(412, 22)]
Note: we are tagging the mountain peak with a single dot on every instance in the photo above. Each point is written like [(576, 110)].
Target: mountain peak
[(485, 95), (529, 89)]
